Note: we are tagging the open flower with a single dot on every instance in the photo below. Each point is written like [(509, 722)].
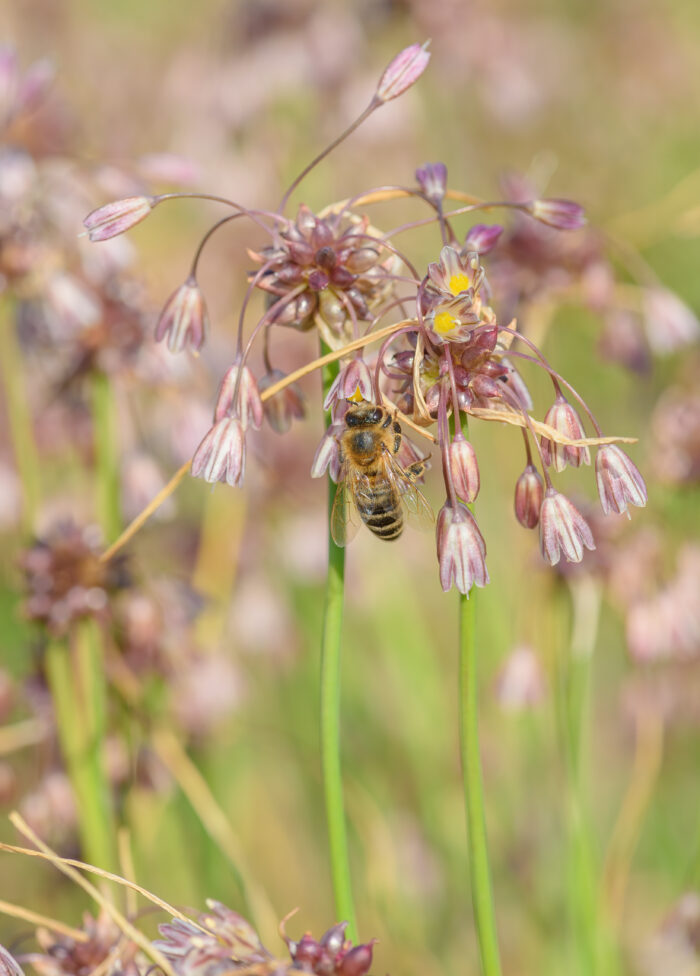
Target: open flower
[(461, 549)]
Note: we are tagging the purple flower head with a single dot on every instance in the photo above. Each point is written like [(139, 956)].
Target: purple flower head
[(461, 549), (402, 72), (117, 217), (619, 482), (563, 530)]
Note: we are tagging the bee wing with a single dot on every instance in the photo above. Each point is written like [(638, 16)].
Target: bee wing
[(416, 507), (345, 519)]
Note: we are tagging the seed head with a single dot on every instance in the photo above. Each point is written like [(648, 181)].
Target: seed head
[(563, 530), (619, 482), (402, 72), (461, 549), (116, 217), (184, 318)]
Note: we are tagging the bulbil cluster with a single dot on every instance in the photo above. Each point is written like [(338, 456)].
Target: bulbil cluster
[(446, 356)]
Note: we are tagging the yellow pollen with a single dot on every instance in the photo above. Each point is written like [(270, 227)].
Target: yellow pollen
[(459, 283), (444, 322), (357, 396)]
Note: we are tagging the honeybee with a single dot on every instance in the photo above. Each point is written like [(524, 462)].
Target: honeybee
[(373, 486)]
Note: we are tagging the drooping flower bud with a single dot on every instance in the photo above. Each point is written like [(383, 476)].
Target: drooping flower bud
[(184, 319), (114, 218), (563, 530), (352, 377), (283, 407), (248, 405), (402, 72), (562, 214), (619, 482), (529, 492), (564, 419), (8, 964), (464, 467), (334, 939), (461, 549), (432, 179), (482, 238), (221, 454), (357, 961)]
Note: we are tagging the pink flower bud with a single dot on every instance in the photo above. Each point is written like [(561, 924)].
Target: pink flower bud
[(248, 405), (461, 458), (184, 318), (432, 179), (287, 405), (221, 455), (564, 419), (402, 72), (482, 238), (8, 965), (114, 218), (562, 214), (461, 549), (334, 939), (357, 961), (353, 376), (669, 323), (529, 492), (619, 482), (563, 530)]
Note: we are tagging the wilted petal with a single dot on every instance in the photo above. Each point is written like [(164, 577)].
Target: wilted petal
[(114, 218), (563, 530), (619, 482), (402, 72), (221, 455)]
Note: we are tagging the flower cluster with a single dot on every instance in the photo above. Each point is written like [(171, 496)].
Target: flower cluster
[(455, 355)]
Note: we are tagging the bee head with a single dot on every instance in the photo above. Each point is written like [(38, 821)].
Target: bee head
[(363, 415)]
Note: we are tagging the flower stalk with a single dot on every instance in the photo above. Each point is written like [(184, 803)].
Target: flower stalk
[(106, 455), (330, 715)]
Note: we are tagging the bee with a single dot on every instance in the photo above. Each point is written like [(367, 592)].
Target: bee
[(373, 487)]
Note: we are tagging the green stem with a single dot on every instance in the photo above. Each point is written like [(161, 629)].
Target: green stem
[(76, 679), (106, 456), (482, 894), (330, 717), (19, 418)]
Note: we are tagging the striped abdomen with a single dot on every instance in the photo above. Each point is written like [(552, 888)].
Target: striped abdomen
[(380, 509)]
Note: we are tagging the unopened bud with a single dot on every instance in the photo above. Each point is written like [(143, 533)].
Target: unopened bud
[(562, 214), (357, 961), (114, 218), (239, 383), (482, 238), (529, 492), (184, 318), (334, 939), (402, 72), (432, 179), (564, 419), (464, 467)]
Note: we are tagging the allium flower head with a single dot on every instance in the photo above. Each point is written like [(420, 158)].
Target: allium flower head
[(64, 956), (619, 482), (461, 549), (229, 943), (563, 530)]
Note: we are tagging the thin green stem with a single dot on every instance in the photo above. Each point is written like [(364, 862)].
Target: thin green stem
[(76, 679), (19, 417), (106, 456), (482, 893), (330, 717)]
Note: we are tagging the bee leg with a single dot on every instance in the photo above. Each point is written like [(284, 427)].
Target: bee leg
[(417, 469)]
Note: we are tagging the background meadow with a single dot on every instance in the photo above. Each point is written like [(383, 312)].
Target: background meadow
[(589, 690)]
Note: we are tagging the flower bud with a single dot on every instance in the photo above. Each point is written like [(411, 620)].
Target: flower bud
[(562, 214), (482, 238), (461, 549), (114, 218), (432, 179), (563, 530), (248, 405), (357, 961), (529, 492), (184, 318), (221, 454), (461, 458), (564, 419), (8, 965), (402, 72), (619, 482), (334, 939), (669, 323)]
